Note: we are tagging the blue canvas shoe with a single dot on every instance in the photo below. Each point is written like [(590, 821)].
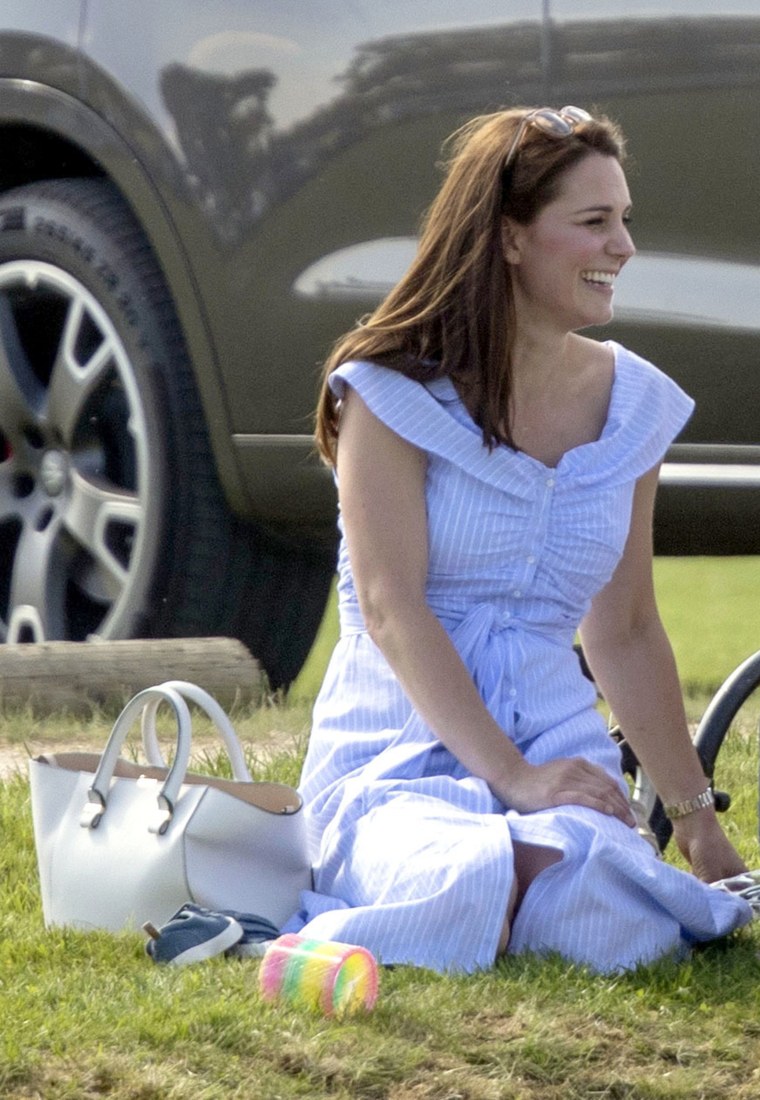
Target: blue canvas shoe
[(192, 934)]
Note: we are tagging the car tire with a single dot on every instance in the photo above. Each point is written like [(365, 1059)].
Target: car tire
[(113, 523)]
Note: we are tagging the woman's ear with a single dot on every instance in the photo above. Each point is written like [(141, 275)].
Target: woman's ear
[(510, 241)]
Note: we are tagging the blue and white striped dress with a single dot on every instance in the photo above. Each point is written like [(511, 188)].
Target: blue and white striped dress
[(413, 855)]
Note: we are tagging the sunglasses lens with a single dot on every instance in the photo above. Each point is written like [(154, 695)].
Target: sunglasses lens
[(551, 122), (576, 115)]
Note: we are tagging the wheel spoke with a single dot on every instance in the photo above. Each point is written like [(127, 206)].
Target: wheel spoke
[(105, 521), (8, 498), (17, 387), (76, 481), (71, 380), (36, 609)]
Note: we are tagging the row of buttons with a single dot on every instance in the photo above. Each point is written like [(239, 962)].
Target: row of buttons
[(530, 559), (517, 592)]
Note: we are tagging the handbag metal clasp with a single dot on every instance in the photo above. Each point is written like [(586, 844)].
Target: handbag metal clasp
[(93, 810), (163, 816)]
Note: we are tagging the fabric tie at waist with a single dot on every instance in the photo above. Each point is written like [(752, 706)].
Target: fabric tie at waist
[(414, 749), (473, 637)]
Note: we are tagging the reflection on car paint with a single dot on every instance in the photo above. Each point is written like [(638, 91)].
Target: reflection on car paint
[(659, 289)]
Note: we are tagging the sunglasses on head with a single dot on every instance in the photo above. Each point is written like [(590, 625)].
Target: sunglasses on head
[(558, 124)]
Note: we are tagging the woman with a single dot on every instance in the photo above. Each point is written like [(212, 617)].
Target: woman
[(497, 474)]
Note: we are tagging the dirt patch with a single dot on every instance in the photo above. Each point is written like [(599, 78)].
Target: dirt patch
[(14, 757)]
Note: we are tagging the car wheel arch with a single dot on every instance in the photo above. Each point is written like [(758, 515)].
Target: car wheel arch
[(94, 149), (76, 273)]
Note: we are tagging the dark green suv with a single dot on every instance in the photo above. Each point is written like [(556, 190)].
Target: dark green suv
[(196, 198)]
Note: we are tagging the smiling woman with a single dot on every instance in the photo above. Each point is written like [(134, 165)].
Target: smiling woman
[(497, 472), (567, 258)]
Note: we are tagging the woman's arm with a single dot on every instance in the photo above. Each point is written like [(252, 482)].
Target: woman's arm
[(381, 481), (630, 656)]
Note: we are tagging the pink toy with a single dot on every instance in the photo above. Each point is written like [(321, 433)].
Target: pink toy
[(336, 978)]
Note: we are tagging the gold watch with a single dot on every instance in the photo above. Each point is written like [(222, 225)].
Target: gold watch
[(690, 805)]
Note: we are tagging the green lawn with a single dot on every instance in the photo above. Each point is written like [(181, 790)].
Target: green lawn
[(88, 1015), (710, 608)]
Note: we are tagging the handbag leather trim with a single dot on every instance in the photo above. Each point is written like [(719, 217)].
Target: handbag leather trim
[(274, 798)]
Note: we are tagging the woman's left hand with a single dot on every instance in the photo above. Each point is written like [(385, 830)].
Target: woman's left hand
[(703, 843)]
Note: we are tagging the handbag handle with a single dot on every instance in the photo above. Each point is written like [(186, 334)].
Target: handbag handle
[(207, 703), (97, 801)]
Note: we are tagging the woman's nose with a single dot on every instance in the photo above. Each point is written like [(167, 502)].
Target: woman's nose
[(621, 244)]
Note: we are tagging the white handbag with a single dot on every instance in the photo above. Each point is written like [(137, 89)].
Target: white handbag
[(120, 843)]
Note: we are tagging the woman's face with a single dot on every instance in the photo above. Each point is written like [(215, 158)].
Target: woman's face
[(564, 264)]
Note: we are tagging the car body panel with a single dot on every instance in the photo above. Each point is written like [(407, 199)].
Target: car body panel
[(280, 157)]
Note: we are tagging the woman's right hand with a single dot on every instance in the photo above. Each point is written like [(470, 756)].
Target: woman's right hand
[(571, 781)]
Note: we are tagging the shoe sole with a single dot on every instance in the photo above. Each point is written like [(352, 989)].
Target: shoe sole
[(252, 950), (209, 948)]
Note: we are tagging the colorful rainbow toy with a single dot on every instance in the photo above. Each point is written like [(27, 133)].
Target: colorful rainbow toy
[(334, 978)]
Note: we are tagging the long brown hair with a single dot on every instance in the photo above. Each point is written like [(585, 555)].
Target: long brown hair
[(452, 313)]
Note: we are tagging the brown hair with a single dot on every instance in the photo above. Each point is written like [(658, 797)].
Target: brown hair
[(452, 313)]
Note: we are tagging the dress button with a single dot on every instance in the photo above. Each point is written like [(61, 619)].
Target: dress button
[(512, 692), (531, 558), (550, 482), (517, 592)]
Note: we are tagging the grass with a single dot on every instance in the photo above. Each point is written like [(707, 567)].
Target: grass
[(708, 607), (87, 1015)]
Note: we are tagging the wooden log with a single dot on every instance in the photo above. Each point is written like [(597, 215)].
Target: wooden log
[(72, 676)]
